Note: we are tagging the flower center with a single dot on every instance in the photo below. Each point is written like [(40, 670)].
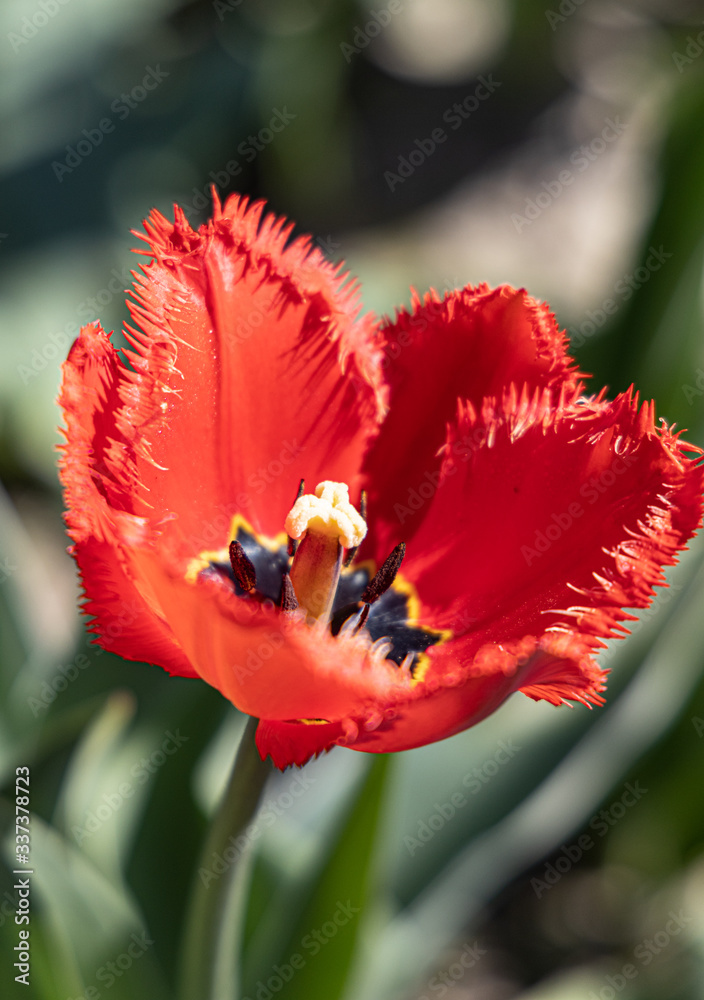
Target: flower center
[(326, 524), (323, 580)]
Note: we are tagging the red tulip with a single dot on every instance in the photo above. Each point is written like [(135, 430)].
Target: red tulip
[(532, 515)]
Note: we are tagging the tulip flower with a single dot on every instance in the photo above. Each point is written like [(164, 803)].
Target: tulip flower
[(362, 533)]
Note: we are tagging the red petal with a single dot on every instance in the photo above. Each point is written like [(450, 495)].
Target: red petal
[(472, 344), (440, 706), (296, 742), (546, 525), (252, 370), (430, 716), (97, 471), (126, 622)]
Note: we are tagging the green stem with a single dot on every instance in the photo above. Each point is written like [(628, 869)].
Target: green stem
[(214, 917)]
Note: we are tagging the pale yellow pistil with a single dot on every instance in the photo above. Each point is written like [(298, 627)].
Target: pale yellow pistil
[(327, 524)]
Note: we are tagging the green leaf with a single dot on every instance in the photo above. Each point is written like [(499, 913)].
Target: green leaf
[(319, 956), (85, 931)]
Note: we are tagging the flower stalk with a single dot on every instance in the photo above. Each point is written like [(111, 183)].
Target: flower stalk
[(213, 922)]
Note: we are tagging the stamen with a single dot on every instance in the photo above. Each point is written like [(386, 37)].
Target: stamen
[(344, 618), (362, 618), (293, 542), (242, 567), (385, 576), (382, 647), (289, 601)]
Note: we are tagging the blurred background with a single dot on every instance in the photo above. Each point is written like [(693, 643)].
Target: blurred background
[(546, 853)]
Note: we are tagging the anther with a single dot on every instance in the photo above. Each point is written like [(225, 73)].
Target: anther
[(385, 576), (293, 542), (289, 601), (362, 618), (242, 567), (351, 553)]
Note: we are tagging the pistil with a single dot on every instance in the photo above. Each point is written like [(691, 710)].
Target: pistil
[(327, 524)]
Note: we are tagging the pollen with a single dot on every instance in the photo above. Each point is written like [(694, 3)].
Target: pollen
[(328, 513)]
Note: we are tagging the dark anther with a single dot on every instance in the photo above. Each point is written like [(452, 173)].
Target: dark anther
[(362, 618), (242, 567), (289, 601), (351, 553), (385, 576), (293, 542)]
